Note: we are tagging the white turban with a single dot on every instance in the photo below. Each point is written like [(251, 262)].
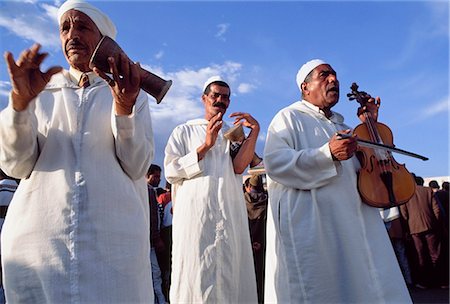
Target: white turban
[(306, 69), (211, 80), (102, 21)]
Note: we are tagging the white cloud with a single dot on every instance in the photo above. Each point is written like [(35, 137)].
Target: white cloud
[(159, 55), (433, 109), (245, 88), (223, 28), (439, 107), (183, 100), (5, 88), (36, 22)]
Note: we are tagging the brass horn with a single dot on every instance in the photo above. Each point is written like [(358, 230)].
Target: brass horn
[(150, 83), (236, 134)]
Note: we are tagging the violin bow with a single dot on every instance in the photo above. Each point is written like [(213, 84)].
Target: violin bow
[(374, 145)]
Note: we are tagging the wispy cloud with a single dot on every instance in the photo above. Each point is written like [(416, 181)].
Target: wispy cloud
[(245, 88), (37, 22), (421, 33), (222, 29), (5, 88), (159, 55), (439, 11), (436, 109), (432, 110)]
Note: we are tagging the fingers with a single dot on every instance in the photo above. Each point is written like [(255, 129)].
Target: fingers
[(215, 123), (105, 77), (114, 71), (216, 118), (241, 115), (378, 101), (129, 77), (9, 58), (216, 127), (30, 57), (134, 74)]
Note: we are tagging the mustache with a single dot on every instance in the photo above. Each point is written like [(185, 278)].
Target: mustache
[(220, 105), (74, 43)]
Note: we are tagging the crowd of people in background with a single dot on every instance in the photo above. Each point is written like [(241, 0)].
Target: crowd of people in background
[(418, 231)]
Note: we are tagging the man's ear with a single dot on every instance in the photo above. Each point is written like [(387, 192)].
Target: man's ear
[(204, 98), (304, 87)]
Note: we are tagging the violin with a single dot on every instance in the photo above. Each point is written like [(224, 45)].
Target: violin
[(382, 182)]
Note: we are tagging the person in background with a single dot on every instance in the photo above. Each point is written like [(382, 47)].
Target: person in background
[(157, 245), (256, 202), (442, 197), (323, 243), (424, 219), (8, 186), (434, 185), (397, 232), (81, 142), (166, 214), (211, 255)]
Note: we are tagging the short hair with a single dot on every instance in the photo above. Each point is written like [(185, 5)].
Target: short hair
[(419, 180), (160, 191), (308, 79), (445, 186), (219, 83), (433, 184), (247, 182), (152, 169)]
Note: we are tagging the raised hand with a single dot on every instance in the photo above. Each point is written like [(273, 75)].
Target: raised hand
[(246, 119), (26, 77), (212, 131), (372, 106), (124, 86), (247, 150)]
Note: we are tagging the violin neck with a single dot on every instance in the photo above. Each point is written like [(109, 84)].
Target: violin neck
[(372, 128)]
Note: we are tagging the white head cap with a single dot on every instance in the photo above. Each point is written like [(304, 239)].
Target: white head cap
[(306, 69), (211, 80), (101, 20)]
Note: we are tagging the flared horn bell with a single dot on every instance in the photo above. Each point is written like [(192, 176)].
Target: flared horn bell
[(150, 83), (236, 134)]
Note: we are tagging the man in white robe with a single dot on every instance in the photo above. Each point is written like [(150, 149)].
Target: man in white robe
[(77, 229), (324, 245), (212, 259)]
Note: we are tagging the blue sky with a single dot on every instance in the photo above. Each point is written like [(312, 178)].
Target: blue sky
[(396, 50)]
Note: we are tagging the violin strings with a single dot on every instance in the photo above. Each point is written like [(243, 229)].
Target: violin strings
[(371, 126)]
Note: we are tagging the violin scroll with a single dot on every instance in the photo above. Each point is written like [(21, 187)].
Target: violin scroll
[(361, 97)]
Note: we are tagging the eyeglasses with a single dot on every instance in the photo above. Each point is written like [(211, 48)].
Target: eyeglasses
[(216, 95)]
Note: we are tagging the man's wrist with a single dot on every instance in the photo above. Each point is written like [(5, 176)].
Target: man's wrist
[(122, 109)]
